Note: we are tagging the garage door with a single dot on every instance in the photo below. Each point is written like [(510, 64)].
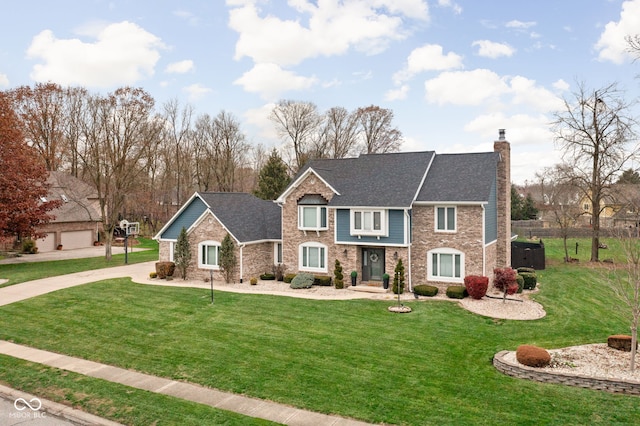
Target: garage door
[(47, 243), (76, 239)]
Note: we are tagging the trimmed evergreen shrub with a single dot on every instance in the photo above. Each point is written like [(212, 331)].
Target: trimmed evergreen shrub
[(338, 275), (253, 281), (525, 269), (476, 286), (520, 281), (29, 246), (532, 356), (288, 278), (302, 280), (530, 280), (456, 292), (425, 290), (267, 277), (322, 280), (153, 274), (398, 278)]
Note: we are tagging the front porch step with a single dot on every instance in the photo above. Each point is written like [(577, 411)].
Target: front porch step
[(367, 289)]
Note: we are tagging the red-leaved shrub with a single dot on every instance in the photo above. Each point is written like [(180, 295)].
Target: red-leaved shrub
[(504, 279), (476, 285), (533, 356)]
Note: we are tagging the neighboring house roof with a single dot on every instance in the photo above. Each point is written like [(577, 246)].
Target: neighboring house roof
[(460, 177), (377, 180), (246, 217), (79, 199)]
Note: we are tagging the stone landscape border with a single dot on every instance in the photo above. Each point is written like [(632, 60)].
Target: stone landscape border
[(529, 373)]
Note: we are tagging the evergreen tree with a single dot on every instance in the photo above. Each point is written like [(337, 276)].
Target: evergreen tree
[(227, 259), (516, 204), (529, 210), (273, 178), (338, 276), (182, 254), (629, 176), (398, 278)]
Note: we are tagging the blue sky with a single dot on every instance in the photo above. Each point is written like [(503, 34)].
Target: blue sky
[(453, 71)]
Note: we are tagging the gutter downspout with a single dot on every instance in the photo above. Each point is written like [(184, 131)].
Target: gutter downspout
[(406, 213), (241, 263), (484, 246)]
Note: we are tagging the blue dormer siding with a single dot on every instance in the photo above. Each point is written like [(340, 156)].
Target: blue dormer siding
[(187, 218), (396, 229), (491, 216)]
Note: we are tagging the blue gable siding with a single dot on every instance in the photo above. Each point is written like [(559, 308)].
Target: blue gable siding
[(396, 229), (491, 216), (188, 216)]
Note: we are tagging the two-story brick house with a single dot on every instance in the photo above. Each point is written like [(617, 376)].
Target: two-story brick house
[(445, 215)]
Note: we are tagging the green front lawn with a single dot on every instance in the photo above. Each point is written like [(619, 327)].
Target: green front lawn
[(28, 271), (352, 358)]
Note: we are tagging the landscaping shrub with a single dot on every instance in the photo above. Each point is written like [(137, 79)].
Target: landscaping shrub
[(533, 356), (621, 342), (425, 290), (525, 269), (302, 280), (520, 281), (504, 279), (456, 292), (253, 281), (398, 278), (288, 278), (153, 274), (165, 269), (530, 280), (29, 246), (338, 275), (322, 280), (267, 277), (476, 286), (278, 271)]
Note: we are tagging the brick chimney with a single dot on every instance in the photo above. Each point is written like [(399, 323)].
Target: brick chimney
[(503, 193)]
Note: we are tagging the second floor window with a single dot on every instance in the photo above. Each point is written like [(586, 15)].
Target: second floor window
[(446, 219), (312, 218), (368, 222)]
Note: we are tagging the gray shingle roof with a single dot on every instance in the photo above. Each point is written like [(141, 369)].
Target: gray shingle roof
[(460, 177), (81, 203), (247, 217), (377, 180)]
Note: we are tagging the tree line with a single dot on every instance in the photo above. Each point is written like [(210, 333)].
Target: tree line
[(145, 160)]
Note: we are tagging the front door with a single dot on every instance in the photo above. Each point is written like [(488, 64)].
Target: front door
[(372, 264)]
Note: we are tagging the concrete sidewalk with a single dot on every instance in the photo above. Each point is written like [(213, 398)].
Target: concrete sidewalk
[(140, 273), (223, 400)]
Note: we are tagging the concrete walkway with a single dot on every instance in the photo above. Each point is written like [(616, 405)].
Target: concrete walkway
[(140, 273)]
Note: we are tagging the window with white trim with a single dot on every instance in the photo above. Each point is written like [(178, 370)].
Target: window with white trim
[(209, 255), (313, 257), (445, 264), (312, 218), (368, 222), (445, 219)]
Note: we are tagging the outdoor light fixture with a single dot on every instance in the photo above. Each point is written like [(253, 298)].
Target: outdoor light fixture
[(395, 256)]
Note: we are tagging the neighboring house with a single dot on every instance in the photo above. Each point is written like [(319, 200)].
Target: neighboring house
[(77, 222), (445, 215), (253, 224)]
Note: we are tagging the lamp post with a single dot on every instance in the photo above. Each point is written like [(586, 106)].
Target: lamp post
[(211, 281)]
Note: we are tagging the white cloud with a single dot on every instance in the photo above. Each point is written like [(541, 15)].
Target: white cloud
[(493, 50), (259, 118), (180, 67), (465, 87), (525, 92), (427, 58), (520, 24), (457, 9), (196, 91), (122, 54), (333, 29), (397, 94), (4, 80), (270, 81), (612, 45), (189, 17), (561, 85)]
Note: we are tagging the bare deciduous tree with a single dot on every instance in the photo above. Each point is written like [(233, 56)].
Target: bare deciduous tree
[(176, 134), (594, 131), (297, 123), (340, 131), (378, 133)]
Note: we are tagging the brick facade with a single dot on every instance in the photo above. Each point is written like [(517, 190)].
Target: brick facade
[(503, 247)]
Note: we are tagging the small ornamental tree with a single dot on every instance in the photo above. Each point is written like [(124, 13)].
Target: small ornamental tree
[(227, 259), (504, 279), (476, 286), (398, 278), (182, 254), (338, 276)]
